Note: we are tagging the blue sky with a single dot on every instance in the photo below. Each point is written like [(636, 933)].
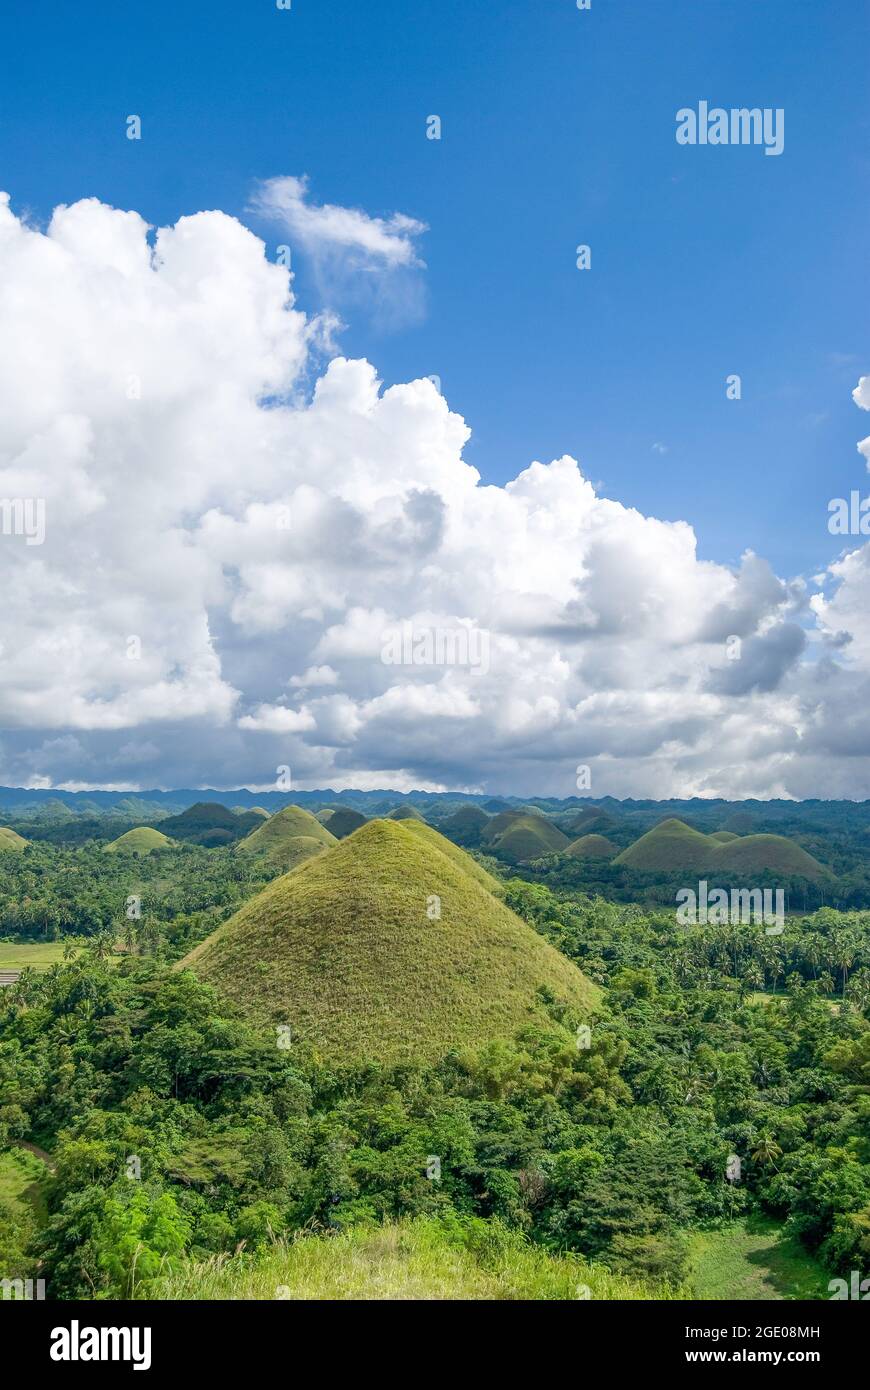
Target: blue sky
[(558, 128)]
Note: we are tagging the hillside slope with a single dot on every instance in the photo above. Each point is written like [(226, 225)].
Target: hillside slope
[(387, 947)]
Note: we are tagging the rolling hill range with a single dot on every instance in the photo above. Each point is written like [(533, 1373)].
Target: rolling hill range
[(673, 845), (288, 838), (389, 946), (143, 840)]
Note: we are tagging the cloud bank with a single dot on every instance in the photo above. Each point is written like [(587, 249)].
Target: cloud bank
[(224, 556)]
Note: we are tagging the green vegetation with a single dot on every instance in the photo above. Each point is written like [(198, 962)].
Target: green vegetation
[(428, 1004), (421, 1259), (23, 1209), (387, 948), (10, 841), (404, 813), (143, 840)]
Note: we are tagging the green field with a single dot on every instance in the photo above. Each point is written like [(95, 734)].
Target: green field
[(753, 1260), (17, 955)]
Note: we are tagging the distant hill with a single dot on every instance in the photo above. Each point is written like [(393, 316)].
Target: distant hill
[(405, 813), (343, 821), (10, 841), (723, 836), (259, 811), (672, 845), (589, 816), (388, 946), (143, 840), (518, 837), (288, 838), (465, 826), (592, 847), (209, 823)]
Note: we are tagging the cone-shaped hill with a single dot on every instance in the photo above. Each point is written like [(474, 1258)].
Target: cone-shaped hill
[(343, 821), (406, 812), (524, 837), (288, 838), (143, 840), (387, 947), (674, 845), (11, 841), (592, 847), (466, 825)]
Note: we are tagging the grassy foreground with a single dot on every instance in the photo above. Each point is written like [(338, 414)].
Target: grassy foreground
[(423, 1259), (753, 1260)]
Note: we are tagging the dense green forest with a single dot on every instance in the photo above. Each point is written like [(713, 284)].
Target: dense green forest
[(177, 1131)]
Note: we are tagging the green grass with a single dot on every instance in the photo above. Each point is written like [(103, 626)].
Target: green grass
[(675, 845), (18, 955), (345, 952), (415, 1260), (343, 821), (753, 1260), (143, 840), (22, 1209), (11, 841)]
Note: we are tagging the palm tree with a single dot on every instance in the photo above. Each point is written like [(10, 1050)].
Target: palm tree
[(766, 1150)]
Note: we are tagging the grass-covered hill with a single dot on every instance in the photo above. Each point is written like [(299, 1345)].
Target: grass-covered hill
[(673, 845), (524, 837), (466, 826), (209, 823), (143, 840), (11, 841), (424, 1259), (288, 838), (388, 947), (590, 816), (406, 812), (343, 821), (592, 847)]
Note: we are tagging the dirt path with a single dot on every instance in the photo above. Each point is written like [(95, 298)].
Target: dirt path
[(37, 1152)]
